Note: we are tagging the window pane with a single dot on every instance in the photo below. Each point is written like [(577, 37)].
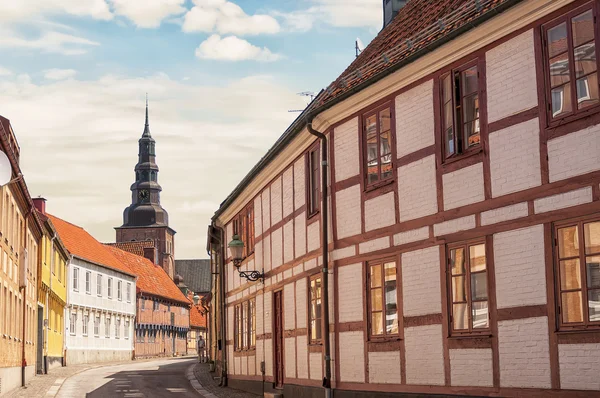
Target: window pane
[(449, 141), (477, 257), (471, 108), (447, 89), (480, 314), (585, 59), (568, 242), (469, 81), (460, 316), (376, 275), (391, 310), (570, 274), (457, 261), (317, 329), (376, 323), (386, 166), (559, 70), (582, 27), (593, 271), (557, 39), (385, 119), (587, 91), (391, 322), (592, 237), (572, 310), (472, 136), (459, 289), (479, 286), (313, 330), (385, 143), (594, 305), (561, 100), (376, 300)]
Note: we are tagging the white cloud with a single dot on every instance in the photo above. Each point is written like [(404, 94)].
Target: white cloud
[(232, 48), (17, 11), (337, 13), (225, 17), (148, 13), (51, 42), (5, 72), (206, 136), (59, 74)]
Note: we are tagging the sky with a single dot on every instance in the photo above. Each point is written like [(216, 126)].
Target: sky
[(220, 75)]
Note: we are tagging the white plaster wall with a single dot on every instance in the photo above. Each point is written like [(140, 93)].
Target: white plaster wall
[(471, 367), (350, 278), (352, 357), (424, 355), (574, 154), (380, 212), (421, 294), (417, 193), (348, 210), (579, 366), (345, 147), (414, 119), (384, 367), (463, 186)]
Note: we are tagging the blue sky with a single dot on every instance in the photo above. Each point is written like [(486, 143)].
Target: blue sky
[(220, 75)]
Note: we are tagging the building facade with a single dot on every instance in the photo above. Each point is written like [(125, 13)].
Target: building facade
[(51, 294), (20, 232), (462, 216), (100, 314), (198, 330)]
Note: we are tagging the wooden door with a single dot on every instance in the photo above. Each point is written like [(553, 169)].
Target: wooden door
[(278, 337)]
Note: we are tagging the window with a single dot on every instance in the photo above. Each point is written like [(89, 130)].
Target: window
[(313, 177), (460, 121), (129, 292), (96, 325), (245, 325), (86, 321), (76, 279), (377, 143), (99, 285), (143, 303), (243, 226), (126, 331), (73, 324), (155, 305), (117, 328), (578, 273), (88, 282), (107, 327), (252, 320), (119, 290), (314, 312), (110, 287), (383, 299), (571, 64), (467, 277)]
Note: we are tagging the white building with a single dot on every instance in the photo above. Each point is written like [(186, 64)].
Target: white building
[(100, 313)]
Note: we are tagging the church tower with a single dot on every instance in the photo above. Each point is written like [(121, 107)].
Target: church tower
[(145, 219)]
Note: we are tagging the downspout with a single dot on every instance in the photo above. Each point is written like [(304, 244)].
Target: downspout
[(25, 258), (222, 336), (324, 245)]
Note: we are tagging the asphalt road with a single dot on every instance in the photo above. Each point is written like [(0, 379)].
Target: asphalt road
[(160, 378)]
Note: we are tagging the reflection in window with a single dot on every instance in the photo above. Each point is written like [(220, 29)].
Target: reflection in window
[(314, 313), (383, 299), (378, 146)]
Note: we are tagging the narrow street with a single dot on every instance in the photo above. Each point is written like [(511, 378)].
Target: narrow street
[(160, 378)]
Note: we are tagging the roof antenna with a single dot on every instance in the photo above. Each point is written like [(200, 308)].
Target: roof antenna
[(358, 46), (310, 94)]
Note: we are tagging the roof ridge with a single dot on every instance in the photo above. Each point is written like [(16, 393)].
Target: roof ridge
[(65, 221)]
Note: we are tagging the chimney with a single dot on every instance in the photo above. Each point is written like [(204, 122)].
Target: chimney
[(40, 204), (150, 254), (390, 10)]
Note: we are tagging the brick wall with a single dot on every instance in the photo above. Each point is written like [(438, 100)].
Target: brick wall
[(266, 207), (348, 210), (384, 367), (276, 206), (424, 355), (288, 241), (380, 212), (313, 237), (276, 248), (257, 216), (301, 303), (289, 308), (574, 154), (316, 366), (414, 119), (421, 292), (299, 184), (352, 354), (463, 364), (579, 366), (288, 192), (302, 358), (351, 296), (345, 146), (463, 187), (300, 234), (563, 200), (290, 357), (417, 194)]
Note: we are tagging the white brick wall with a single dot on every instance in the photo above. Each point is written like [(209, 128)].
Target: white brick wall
[(229, 322), (452, 226), (276, 209), (316, 366), (345, 146), (300, 234), (289, 307), (515, 158), (252, 366), (350, 277), (288, 192), (417, 193), (520, 270), (374, 245), (579, 366), (260, 314), (299, 184), (411, 236), (302, 359), (257, 216), (380, 212), (268, 300), (267, 252), (511, 79), (504, 213), (563, 200), (301, 303), (414, 119), (290, 357), (314, 236), (421, 282), (464, 362), (424, 355), (266, 206), (277, 248), (339, 254), (268, 357), (288, 242), (347, 204), (463, 186), (352, 357), (384, 367), (258, 255), (524, 353), (574, 154)]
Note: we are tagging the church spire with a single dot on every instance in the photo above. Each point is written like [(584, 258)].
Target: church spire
[(147, 126)]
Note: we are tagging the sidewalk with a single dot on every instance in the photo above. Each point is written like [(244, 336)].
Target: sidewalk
[(209, 387)]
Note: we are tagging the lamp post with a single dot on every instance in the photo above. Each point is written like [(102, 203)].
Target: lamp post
[(236, 249)]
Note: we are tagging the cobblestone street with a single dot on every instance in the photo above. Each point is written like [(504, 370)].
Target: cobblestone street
[(211, 384)]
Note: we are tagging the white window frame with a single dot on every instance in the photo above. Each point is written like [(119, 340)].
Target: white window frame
[(86, 321), (117, 328), (129, 292), (73, 324), (120, 290), (126, 330), (107, 327), (110, 280), (99, 285), (96, 325), (76, 279), (88, 282)]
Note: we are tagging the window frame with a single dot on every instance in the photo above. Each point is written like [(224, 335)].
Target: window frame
[(319, 339), (120, 290), (88, 282), (471, 331), (76, 279), (128, 292), (384, 336), (252, 324), (364, 147), (586, 325), (313, 204), (85, 324), (243, 226), (576, 113), (73, 324), (109, 287), (99, 285)]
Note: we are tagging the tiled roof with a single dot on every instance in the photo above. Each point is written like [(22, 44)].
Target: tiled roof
[(83, 245), (152, 279), (196, 274), (136, 247), (418, 24), (197, 318)]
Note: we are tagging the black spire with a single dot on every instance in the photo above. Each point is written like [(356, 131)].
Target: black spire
[(147, 126)]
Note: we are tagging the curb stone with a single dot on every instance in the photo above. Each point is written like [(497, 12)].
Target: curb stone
[(196, 384)]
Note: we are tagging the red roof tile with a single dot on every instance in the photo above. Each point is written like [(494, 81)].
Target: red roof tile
[(152, 279), (83, 245), (136, 247), (197, 317)]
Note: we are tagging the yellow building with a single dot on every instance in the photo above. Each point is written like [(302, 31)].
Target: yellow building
[(52, 293), (20, 232)]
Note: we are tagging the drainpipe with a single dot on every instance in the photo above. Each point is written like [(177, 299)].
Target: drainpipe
[(222, 335), (324, 245), (25, 258)]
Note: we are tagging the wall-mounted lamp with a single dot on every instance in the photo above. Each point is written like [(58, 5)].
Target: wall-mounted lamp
[(196, 299), (236, 249)]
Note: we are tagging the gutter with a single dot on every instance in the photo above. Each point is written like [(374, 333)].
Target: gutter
[(309, 114)]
